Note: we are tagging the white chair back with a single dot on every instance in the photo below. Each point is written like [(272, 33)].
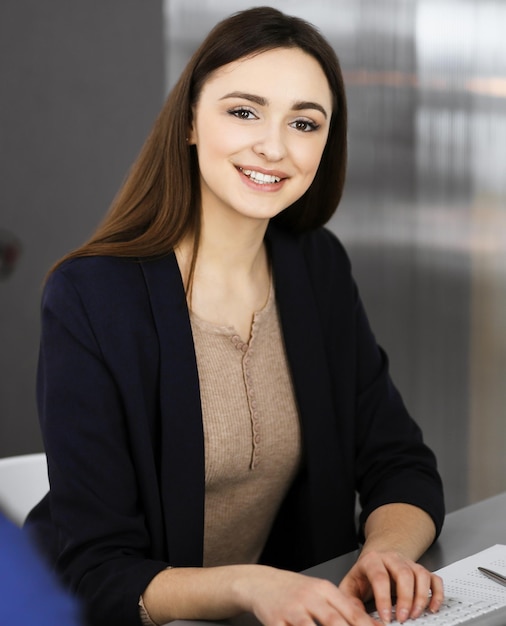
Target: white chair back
[(23, 482)]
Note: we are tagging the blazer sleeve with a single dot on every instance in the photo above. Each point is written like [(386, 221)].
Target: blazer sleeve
[(385, 449), (393, 463), (101, 543)]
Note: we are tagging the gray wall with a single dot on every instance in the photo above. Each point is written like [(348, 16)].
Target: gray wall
[(81, 83)]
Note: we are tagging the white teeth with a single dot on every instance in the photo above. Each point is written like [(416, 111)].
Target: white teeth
[(260, 178)]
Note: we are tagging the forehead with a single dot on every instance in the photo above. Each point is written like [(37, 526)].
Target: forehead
[(288, 74)]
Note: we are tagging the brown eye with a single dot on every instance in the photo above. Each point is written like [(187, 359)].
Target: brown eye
[(305, 126), (242, 114)]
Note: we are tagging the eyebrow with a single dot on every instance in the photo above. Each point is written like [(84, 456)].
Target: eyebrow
[(301, 105)]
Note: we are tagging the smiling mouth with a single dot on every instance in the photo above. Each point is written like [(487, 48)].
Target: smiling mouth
[(259, 178)]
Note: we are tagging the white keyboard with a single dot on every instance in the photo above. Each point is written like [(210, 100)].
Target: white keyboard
[(455, 611), (471, 598)]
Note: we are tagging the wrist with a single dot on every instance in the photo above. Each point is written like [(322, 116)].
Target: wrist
[(245, 585), (401, 528)]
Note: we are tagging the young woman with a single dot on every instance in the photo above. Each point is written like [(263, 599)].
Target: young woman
[(211, 395)]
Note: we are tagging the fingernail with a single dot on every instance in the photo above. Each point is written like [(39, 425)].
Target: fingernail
[(402, 615), (435, 608), (386, 616)]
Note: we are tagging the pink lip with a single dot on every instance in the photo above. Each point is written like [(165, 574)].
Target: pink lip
[(262, 170)]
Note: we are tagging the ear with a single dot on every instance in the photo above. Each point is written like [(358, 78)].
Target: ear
[(191, 137)]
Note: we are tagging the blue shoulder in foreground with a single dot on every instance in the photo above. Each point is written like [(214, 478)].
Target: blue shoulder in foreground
[(29, 593)]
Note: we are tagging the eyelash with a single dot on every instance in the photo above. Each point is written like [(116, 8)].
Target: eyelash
[(309, 126), (240, 112)]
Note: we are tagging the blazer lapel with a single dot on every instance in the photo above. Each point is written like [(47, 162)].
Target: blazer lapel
[(182, 446)]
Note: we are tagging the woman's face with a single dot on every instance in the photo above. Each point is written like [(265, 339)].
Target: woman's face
[(260, 127)]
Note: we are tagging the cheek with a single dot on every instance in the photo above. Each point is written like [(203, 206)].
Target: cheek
[(310, 157), (217, 141)]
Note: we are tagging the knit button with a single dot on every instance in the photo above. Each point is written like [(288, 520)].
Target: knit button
[(257, 438), (253, 404)]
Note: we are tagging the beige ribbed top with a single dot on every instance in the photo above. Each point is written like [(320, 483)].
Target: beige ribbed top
[(251, 434)]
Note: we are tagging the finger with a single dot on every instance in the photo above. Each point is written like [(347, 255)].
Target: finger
[(351, 613), (382, 591), (422, 592), (322, 603), (350, 608), (382, 596), (429, 593), (329, 616), (437, 598), (404, 579)]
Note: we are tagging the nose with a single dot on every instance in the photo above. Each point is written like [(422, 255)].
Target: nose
[(271, 146)]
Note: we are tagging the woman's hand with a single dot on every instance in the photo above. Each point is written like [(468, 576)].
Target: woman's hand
[(397, 535), (281, 598), (277, 597), (383, 575)]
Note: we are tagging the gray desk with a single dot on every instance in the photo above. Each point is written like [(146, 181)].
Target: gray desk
[(465, 532)]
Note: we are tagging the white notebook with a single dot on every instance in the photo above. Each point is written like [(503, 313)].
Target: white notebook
[(470, 597)]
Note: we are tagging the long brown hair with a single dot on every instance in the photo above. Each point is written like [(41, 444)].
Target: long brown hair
[(159, 202)]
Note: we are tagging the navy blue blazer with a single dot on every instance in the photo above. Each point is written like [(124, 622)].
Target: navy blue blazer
[(120, 413)]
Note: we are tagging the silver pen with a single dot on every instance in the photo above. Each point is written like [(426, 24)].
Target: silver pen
[(499, 578)]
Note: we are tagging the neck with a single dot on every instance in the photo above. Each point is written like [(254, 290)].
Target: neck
[(231, 279), (232, 250)]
